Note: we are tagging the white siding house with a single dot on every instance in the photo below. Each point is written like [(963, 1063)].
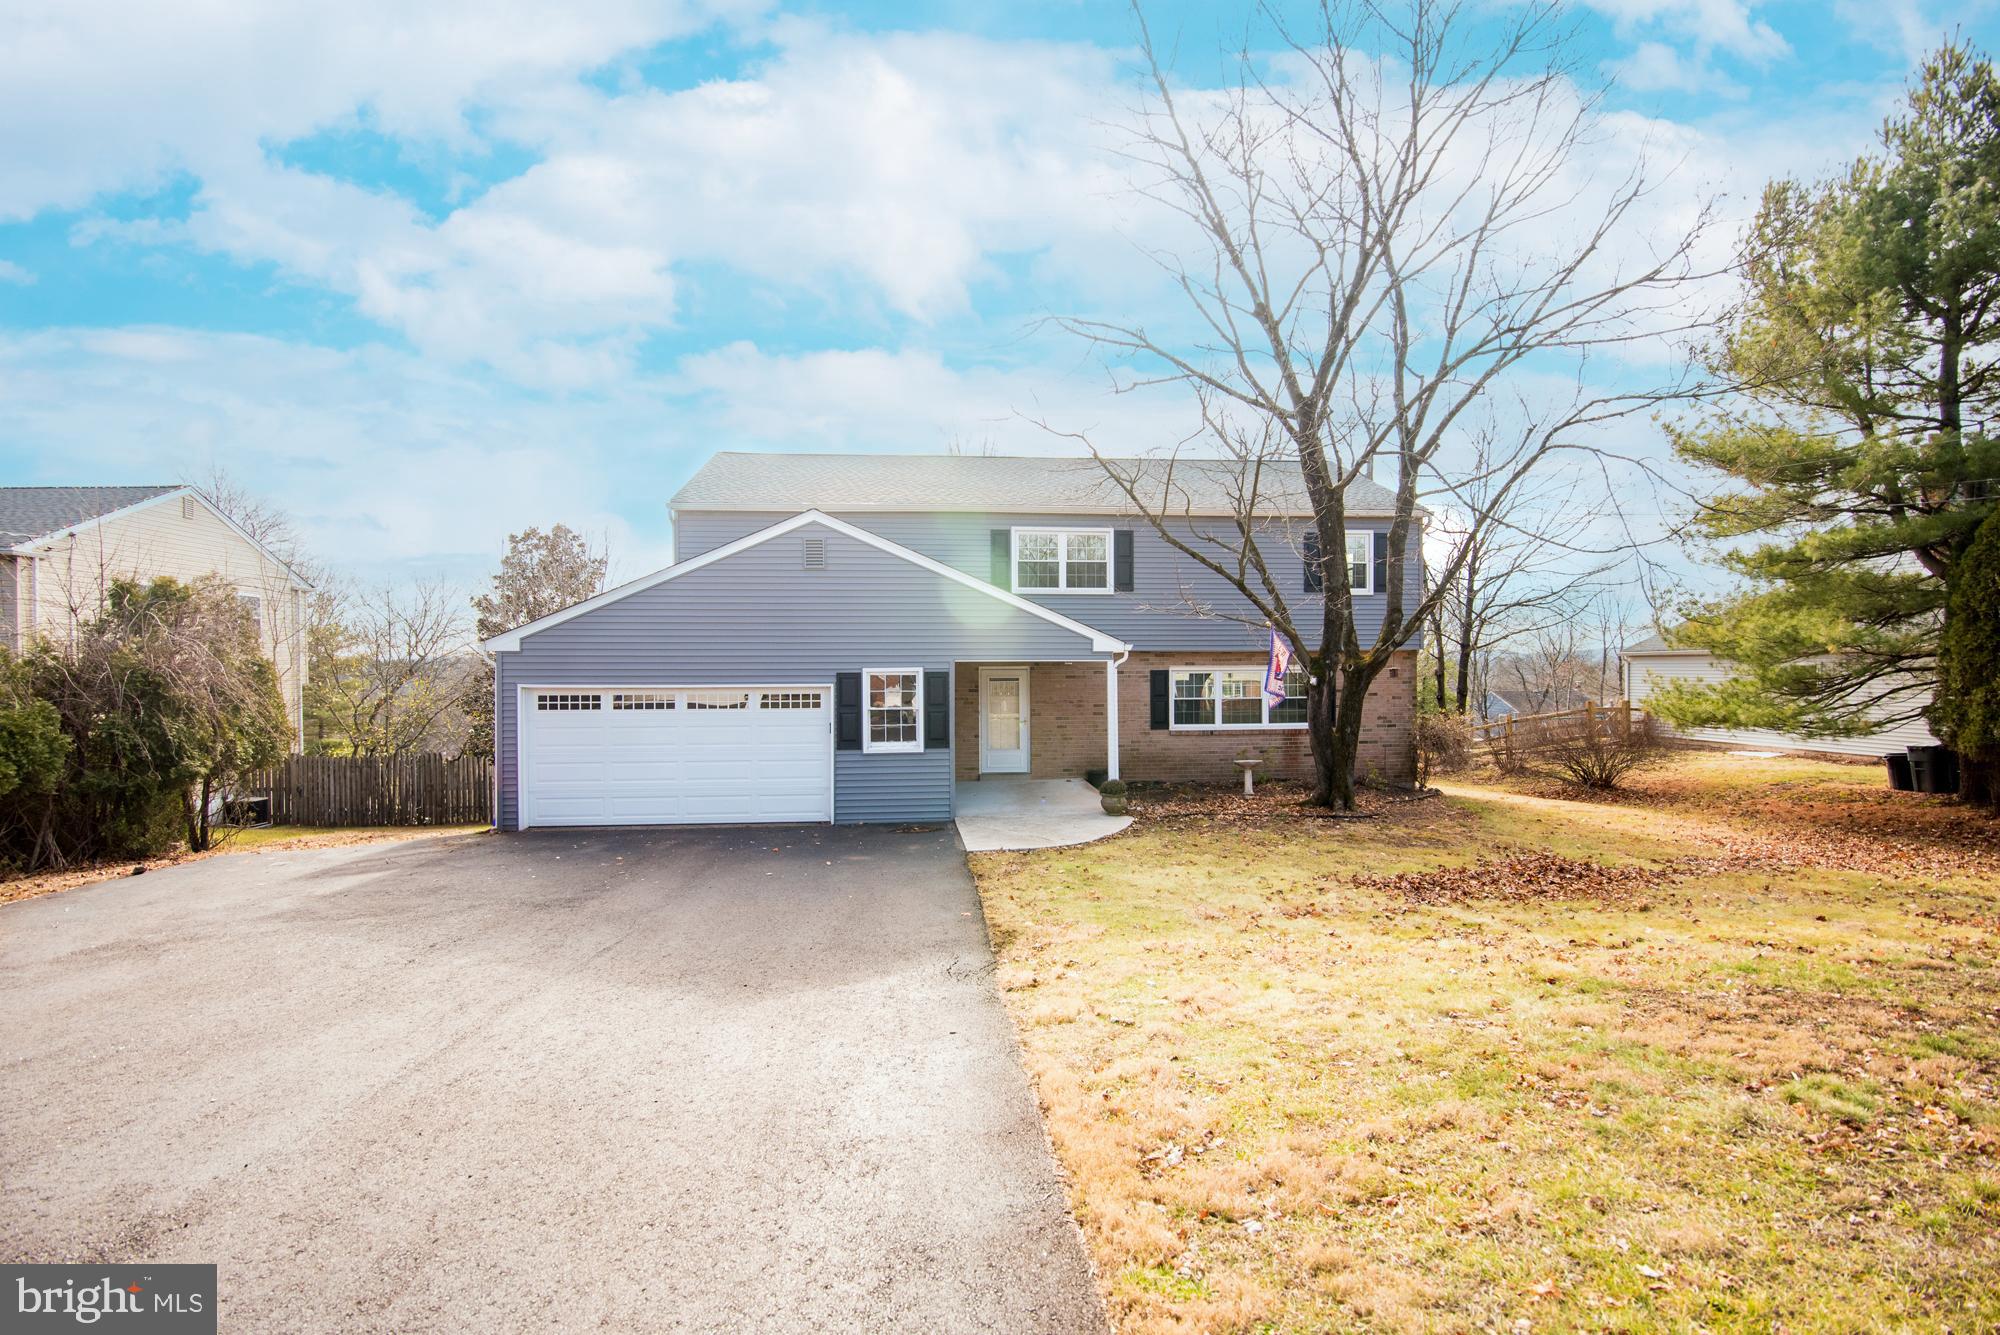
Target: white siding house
[(1651, 664), (61, 548)]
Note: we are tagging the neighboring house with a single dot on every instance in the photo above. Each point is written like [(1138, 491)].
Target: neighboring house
[(61, 549), (847, 637), (1652, 663), (1522, 703)]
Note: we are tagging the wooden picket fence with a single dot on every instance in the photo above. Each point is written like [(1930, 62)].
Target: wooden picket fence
[(367, 790)]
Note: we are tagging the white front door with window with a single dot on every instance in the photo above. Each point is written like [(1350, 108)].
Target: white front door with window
[(1003, 720)]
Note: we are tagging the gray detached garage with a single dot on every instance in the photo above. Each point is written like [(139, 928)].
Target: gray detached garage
[(803, 673)]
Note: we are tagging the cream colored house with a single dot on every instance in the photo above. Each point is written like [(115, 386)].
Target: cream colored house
[(1653, 663), (61, 549)]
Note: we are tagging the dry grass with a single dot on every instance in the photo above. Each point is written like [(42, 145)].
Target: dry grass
[(266, 839), (1753, 1085)]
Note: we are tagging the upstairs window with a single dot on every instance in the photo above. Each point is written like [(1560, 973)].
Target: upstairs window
[(1361, 562), (1056, 560)]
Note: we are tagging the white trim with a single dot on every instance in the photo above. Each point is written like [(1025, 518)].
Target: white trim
[(1023, 672), (37, 545), (676, 508), (511, 640), (1111, 666), (1173, 725), (870, 747), (522, 713), (1062, 537), (1367, 586)]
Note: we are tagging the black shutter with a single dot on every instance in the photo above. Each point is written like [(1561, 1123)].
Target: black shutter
[(1121, 560), (1160, 700), (937, 710), (847, 711), (1381, 563), (1003, 557), (1315, 580)]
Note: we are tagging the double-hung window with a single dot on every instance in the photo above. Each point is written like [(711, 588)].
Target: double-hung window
[(1211, 699), (1361, 562), (895, 707), (1062, 560)]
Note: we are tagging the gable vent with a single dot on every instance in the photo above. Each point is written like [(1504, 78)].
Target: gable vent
[(190, 507), (814, 552)]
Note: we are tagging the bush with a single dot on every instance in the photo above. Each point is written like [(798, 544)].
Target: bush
[(115, 740), (1444, 744), (1599, 753)]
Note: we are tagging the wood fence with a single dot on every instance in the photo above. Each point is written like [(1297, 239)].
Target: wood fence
[(1526, 732), (367, 790)]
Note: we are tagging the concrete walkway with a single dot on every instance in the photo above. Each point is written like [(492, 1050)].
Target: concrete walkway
[(999, 812)]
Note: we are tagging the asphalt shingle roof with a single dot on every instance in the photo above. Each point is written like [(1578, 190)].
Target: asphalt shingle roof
[(27, 513), (788, 483)]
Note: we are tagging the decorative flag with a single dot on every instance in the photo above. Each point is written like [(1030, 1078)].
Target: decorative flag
[(1274, 675)]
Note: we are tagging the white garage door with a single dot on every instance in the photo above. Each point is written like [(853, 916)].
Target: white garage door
[(675, 756)]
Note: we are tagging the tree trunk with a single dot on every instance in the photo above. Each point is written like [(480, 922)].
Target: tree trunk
[(1319, 733)]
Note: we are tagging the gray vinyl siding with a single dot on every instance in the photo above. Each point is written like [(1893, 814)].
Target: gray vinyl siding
[(907, 786), (760, 618), (1167, 587)]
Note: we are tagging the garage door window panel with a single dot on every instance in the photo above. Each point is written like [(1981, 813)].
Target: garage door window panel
[(895, 710)]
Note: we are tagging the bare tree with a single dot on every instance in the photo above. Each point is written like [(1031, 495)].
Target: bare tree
[(1518, 573), (1400, 246), (390, 672)]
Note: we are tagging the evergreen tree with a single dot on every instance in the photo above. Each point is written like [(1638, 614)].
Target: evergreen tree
[(1861, 456)]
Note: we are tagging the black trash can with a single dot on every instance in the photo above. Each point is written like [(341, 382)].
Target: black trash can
[(1934, 769), (1899, 773)]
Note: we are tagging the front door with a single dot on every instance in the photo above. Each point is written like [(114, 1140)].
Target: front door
[(1003, 720)]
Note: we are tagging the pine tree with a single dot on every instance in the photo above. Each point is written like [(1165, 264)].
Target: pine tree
[(1861, 456)]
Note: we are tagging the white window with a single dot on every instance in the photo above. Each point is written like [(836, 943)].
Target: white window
[(1208, 699), (1361, 562), (1057, 560), (895, 708)]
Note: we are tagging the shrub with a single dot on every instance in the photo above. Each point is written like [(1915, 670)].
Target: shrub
[(1598, 753), (159, 703), (1444, 744)]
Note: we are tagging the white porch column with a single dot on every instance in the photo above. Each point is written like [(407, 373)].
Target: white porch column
[(1111, 718)]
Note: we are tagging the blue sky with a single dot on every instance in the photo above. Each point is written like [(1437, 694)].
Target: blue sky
[(424, 275)]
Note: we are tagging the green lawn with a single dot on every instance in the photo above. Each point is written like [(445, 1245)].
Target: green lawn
[(1723, 1054)]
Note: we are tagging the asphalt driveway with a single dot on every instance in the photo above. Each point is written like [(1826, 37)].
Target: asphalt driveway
[(678, 1080)]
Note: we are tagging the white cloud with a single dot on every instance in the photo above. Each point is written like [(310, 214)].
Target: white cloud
[(11, 272), (393, 468), (101, 95), (1725, 25)]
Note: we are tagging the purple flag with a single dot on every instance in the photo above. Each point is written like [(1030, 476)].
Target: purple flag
[(1274, 675)]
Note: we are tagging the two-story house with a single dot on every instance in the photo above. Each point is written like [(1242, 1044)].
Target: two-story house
[(849, 637), (61, 549)]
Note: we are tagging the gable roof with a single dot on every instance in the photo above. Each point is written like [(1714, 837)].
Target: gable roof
[(34, 505), (981, 482), (1656, 644), (28, 513), (511, 640)]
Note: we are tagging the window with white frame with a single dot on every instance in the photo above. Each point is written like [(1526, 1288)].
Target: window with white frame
[(1058, 560), (1223, 698), (1361, 562), (895, 711)]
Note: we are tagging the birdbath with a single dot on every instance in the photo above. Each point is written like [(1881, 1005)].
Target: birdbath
[(1249, 764)]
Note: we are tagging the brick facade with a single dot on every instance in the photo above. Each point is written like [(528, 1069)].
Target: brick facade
[(1066, 725)]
